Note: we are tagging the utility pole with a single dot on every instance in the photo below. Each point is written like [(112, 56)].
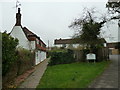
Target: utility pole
[(48, 44)]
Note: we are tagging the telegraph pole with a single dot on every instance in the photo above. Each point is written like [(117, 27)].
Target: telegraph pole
[(48, 44)]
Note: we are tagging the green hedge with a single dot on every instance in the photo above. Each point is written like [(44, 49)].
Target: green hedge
[(61, 57), (14, 62), (8, 52), (25, 61)]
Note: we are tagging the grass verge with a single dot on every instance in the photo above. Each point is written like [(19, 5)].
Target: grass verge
[(75, 75)]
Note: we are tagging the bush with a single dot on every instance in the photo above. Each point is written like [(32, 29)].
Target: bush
[(61, 57), (25, 60), (50, 53), (8, 52), (15, 61)]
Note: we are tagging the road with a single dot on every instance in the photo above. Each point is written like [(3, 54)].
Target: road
[(109, 78)]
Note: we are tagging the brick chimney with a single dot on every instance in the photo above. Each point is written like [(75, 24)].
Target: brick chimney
[(18, 18)]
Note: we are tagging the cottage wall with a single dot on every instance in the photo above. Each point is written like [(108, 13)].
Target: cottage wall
[(43, 55), (32, 45), (39, 56), (25, 41), (18, 33)]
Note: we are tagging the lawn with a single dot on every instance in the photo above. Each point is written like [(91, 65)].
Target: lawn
[(75, 75)]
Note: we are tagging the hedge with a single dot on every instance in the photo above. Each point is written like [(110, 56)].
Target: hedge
[(8, 52), (61, 57), (14, 62), (24, 62)]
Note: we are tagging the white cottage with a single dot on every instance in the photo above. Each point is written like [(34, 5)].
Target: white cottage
[(28, 40)]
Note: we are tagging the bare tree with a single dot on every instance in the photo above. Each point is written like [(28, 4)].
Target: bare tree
[(114, 8), (89, 26)]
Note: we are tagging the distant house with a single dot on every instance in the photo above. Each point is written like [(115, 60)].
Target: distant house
[(113, 47), (68, 43), (29, 40)]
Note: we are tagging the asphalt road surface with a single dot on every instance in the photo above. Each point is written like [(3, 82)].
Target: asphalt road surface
[(109, 78)]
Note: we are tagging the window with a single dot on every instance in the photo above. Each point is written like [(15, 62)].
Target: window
[(40, 43), (37, 41)]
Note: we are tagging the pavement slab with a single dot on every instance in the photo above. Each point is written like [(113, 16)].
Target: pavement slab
[(33, 80)]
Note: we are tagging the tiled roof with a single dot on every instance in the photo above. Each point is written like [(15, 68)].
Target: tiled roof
[(72, 41), (41, 48), (42, 42), (66, 41), (31, 36)]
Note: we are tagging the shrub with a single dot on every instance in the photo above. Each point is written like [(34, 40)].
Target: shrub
[(61, 57), (15, 61), (8, 52), (25, 60)]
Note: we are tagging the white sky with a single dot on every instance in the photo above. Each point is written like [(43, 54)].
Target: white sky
[(55, 0), (50, 19)]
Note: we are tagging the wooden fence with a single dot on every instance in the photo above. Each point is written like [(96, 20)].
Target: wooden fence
[(101, 54)]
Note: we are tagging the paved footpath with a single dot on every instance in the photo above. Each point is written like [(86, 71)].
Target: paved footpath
[(109, 78), (33, 80)]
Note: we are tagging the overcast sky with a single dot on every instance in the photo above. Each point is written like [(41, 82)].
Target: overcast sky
[(50, 19)]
